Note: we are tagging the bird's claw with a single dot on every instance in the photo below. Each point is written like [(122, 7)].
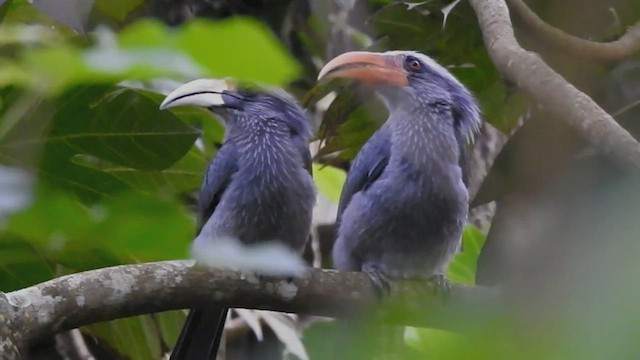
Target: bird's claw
[(440, 285), (380, 282)]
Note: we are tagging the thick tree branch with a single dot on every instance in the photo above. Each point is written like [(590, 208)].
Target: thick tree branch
[(618, 50), (548, 88), (10, 340), (105, 294)]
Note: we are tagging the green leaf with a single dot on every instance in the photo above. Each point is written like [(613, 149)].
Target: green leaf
[(135, 338), (437, 344), (144, 228), (117, 125), (242, 48), (170, 323), (60, 230), (353, 131), (146, 50), (56, 68), (12, 73), (462, 269), (114, 64), (51, 221), (145, 33), (329, 181), (502, 107), (183, 176), (128, 228), (21, 265), (396, 19), (228, 55), (121, 126)]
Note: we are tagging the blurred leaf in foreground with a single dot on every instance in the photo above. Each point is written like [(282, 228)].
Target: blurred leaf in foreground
[(237, 47), (462, 269), (128, 228), (329, 181)]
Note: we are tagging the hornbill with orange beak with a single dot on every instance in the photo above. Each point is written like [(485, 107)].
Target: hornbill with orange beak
[(257, 189), (404, 204)]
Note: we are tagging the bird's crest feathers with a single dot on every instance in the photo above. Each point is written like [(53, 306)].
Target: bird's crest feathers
[(465, 105)]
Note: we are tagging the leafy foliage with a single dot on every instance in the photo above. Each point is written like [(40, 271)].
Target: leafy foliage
[(462, 269), (445, 31), (110, 177), (329, 181), (112, 170)]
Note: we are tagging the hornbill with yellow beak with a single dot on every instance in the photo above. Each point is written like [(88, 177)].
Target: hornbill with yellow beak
[(404, 204), (257, 189)]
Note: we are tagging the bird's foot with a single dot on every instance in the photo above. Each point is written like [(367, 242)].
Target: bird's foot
[(440, 285), (380, 282)]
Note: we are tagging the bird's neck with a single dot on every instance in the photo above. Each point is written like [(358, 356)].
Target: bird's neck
[(424, 136), (256, 131), (264, 149)]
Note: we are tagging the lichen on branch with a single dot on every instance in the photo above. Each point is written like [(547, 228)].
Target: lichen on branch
[(100, 295)]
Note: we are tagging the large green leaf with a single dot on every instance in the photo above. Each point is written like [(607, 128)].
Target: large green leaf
[(128, 228), (59, 230), (244, 48), (220, 47), (144, 228), (115, 125), (121, 126)]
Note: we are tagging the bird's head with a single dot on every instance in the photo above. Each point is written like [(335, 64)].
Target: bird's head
[(406, 79), (235, 105)]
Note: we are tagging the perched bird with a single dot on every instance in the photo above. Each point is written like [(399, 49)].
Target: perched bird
[(257, 189), (404, 203)]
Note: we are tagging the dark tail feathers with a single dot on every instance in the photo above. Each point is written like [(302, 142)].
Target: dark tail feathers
[(201, 334)]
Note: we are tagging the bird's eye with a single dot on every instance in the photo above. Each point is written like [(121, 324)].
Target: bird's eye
[(413, 64)]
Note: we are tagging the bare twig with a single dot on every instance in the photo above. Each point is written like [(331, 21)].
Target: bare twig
[(80, 299), (618, 50), (548, 88)]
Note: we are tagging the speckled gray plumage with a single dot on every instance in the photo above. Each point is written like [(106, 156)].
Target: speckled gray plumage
[(258, 187), (404, 204)]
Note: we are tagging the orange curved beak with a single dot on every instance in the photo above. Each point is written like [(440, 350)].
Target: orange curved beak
[(368, 67)]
